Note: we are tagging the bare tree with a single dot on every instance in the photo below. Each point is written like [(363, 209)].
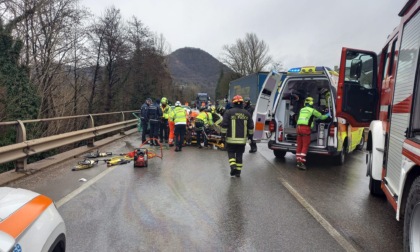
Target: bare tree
[(162, 46), (246, 56)]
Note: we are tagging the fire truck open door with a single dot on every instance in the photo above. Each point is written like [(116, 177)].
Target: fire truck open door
[(358, 90)]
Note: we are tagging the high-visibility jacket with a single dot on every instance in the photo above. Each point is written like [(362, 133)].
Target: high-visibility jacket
[(209, 118), (307, 114), (237, 124), (179, 115), (203, 117), (166, 111)]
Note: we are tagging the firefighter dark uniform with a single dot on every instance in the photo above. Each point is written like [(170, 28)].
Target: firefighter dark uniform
[(154, 114), (144, 119), (164, 126), (179, 117), (237, 128), (304, 125), (248, 106)]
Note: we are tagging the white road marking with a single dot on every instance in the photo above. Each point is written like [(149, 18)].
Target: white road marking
[(318, 217), (86, 185)]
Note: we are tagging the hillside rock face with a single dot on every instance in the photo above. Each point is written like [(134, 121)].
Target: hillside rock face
[(195, 67)]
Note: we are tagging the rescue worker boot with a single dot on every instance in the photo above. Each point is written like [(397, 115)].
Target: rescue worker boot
[(177, 149), (233, 170), (301, 166), (253, 148), (238, 173)]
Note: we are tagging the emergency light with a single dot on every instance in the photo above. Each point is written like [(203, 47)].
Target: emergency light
[(308, 70)]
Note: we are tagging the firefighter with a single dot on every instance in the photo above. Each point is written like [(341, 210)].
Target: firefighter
[(248, 106), (144, 118), (179, 117), (154, 114), (304, 125), (237, 128), (200, 122), (164, 126)]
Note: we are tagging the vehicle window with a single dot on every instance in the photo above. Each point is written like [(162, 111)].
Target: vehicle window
[(386, 62), (392, 57), (359, 69)]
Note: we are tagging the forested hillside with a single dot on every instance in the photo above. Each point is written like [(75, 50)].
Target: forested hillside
[(195, 69)]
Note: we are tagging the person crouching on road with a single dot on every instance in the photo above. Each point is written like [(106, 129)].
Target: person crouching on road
[(237, 127), (179, 117), (200, 121), (304, 125)]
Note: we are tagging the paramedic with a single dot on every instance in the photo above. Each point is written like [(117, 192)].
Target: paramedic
[(179, 117), (304, 125)]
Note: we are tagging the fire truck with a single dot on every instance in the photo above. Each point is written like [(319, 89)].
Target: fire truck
[(382, 92)]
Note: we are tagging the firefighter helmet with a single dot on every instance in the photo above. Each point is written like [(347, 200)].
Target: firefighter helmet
[(237, 99), (177, 103), (309, 100)]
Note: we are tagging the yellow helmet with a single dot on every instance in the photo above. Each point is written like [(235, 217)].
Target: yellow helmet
[(309, 100), (164, 100)]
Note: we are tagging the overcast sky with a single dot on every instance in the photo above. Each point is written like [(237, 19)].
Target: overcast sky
[(298, 32)]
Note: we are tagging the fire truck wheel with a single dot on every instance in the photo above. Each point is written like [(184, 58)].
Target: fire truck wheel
[(374, 185), (412, 218), (279, 153)]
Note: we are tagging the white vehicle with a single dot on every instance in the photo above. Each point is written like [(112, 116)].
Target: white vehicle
[(391, 109), (334, 137), (29, 222)]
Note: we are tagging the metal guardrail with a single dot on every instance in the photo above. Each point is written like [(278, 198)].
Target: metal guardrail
[(24, 148)]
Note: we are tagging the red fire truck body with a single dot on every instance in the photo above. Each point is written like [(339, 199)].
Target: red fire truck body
[(385, 96)]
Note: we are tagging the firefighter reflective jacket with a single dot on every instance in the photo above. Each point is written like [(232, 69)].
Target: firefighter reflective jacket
[(237, 124), (179, 115), (307, 114)]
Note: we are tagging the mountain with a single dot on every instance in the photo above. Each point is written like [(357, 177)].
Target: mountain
[(192, 66)]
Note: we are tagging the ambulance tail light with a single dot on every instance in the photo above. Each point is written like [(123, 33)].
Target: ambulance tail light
[(272, 126), (331, 132), (280, 138)]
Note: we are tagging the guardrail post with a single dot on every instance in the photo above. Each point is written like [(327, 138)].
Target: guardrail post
[(122, 132), (20, 138), (91, 124)]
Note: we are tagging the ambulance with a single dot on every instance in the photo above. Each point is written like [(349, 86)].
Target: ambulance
[(334, 137), (29, 222)]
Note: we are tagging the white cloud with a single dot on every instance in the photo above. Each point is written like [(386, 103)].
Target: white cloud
[(298, 32)]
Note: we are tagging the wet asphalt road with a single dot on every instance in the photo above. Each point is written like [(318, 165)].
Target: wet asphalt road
[(188, 202)]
